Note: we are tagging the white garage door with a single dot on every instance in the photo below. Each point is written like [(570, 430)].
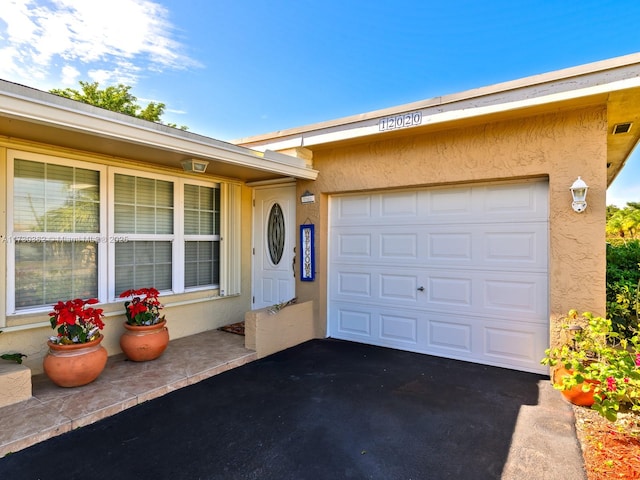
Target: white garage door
[(457, 272)]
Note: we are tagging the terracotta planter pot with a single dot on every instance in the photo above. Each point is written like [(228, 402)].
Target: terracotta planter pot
[(75, 365), (575, 394), (144, 343)]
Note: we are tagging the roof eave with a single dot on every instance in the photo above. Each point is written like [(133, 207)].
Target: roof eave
[(19, 102), (561, 86)]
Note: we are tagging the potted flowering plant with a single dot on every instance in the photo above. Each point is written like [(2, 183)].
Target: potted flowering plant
[(144, 308), (146, 335), (77, 322), (596, 366), (75, 355)]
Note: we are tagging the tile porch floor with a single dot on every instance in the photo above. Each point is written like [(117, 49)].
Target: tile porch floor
[(54, 410)]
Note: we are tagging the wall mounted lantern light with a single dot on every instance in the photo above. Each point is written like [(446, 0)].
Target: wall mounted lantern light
[(579, 194), (193, 165)]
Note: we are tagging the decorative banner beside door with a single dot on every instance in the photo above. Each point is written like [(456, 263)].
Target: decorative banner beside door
[(307, 249)]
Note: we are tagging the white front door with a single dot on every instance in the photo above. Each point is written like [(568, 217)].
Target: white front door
[(274, 240)]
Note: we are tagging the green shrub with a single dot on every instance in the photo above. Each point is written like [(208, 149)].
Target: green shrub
[(623, 285)]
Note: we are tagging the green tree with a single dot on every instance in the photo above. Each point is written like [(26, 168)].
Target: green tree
[(624, 223), (114, 98)]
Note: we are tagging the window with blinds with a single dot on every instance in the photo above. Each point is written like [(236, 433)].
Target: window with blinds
[(202, 235), (143, 210), (96, 231), (56, 229)]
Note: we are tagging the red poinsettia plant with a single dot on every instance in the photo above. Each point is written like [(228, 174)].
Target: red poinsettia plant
[(144, 308), (76, 321)]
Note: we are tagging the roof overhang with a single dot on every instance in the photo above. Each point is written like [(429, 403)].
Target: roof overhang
[(613, 84), (35, 116)]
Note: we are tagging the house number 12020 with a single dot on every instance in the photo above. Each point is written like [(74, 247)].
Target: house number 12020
[(400, 121)]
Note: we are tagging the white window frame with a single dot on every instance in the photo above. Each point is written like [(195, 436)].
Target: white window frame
[(200, 238), (229, 254), (133, 237), (177, 239), (12, 235)]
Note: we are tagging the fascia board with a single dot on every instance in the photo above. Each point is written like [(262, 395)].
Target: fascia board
[(42, 112), (434, 115)]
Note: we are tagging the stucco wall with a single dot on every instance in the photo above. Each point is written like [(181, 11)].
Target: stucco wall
[(269, 332), (187, 313), (557, 146)]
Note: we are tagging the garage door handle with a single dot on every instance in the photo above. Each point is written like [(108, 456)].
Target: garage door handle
[(421, 289)]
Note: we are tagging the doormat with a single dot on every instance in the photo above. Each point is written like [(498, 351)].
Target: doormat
[(237, 328)]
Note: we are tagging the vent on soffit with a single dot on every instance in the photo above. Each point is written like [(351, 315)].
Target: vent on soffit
[(619, 128)]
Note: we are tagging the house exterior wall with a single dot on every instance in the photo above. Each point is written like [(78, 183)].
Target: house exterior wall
[(558, 147), (187, 313)]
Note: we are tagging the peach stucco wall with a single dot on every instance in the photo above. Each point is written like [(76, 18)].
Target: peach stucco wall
[(557, 147)]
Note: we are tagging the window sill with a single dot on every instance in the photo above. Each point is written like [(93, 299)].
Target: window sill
[(40, 319)]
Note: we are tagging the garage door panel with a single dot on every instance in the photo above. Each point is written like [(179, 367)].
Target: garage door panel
[(510, 295), (509, 344), (514, 347), (398, 246), (489, 293), (399, 328), (518, 246), (510, 199), (376, 286), (399, 205), (523, 298), (451, 337), (353, 321), (450, 246), (457, 272), (449, 291), (449, 202), (384, 326), (486, 340), (354, 284), (396, 287), (354, 245), (353, 208), (513, 247), (494, 203), (496, 294), (510, 247)]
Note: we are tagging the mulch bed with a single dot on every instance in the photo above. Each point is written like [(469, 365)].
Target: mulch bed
[(610, 450)]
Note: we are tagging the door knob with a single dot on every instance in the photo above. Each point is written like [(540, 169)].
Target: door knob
[(421, 289)]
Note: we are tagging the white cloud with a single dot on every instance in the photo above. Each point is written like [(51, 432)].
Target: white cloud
[(70, 75), (48, 42)]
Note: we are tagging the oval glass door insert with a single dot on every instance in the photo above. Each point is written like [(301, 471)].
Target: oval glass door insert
[(275, 233)]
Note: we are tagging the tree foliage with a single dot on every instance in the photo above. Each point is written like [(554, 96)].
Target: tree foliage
[(115, 98), (624, 223)]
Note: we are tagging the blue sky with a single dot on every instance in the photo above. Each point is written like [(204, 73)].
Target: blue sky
[(236, 68)]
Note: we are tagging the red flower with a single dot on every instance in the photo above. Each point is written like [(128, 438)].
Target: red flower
[(144, 308), (611, 384), (76, 322), (136, 307)]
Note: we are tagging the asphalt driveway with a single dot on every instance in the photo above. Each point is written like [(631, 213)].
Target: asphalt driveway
[(327, 410)]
